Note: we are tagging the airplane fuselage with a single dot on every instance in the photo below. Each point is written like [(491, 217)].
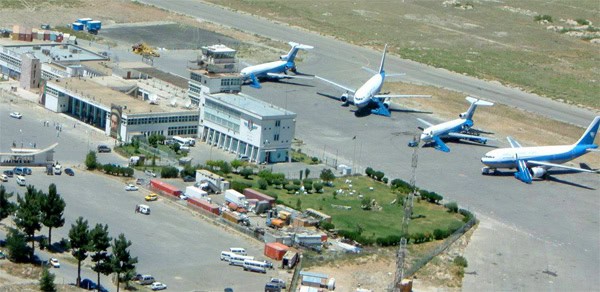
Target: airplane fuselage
[(364, 94), (261, 70), (441, 130), (507, 157)]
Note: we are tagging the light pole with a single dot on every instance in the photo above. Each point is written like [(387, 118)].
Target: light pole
[(21, 131)]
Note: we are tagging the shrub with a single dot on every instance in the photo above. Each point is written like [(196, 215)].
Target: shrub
[(369, 171), (582, 21), (543, 17), (431, 197), (315, 160), (379, 175), (318, 187), (461, 261), (390, 240), (385, 180), (400, 185), (239, 185), (439, 234), (262, 184), (246, 172), (169, 172), (452, 207), (327, 225), (90, 160), (468, 215), (297, 182)]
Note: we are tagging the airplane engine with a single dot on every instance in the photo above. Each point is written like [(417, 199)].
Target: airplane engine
[(386, 103), (538, 171), (344, 97), (283, 57), (463, 115)]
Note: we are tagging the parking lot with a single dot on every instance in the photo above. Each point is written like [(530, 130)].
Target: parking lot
[(173, 244)]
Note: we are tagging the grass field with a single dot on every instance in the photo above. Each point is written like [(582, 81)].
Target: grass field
[(375, 223), (497, 40)]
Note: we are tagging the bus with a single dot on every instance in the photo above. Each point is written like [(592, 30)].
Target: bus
[(184, 141)]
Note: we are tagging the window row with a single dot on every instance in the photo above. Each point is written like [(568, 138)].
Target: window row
[(183, 130), (161, 120)]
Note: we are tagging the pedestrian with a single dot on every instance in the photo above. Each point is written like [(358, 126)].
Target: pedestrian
[(34, 145)]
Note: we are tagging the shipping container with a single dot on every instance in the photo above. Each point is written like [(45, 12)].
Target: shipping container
[(233, 206), (94, 25), (194, 192), (211, 208), (59, 38), (46, 35), (164, 188), (290, 258), (230, 216), (277, 223), (233, 196), (276, 250), (254, 194), (77, 26), (53, 35), (84, 20)]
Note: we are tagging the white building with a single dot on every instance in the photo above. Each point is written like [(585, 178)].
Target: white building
[(114, 105)]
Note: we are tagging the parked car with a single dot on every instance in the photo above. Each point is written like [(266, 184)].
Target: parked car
[(69, 172), (18, 171), (103, 148), (189, 178), (151, 197), (140, 181), (183, 197), (27, 171), (150, 173), (9, 173), (131, 187), (2, 255), (158, 286), (91, 285), (54, 263), (3, 177), (279, 282), (16, 115)]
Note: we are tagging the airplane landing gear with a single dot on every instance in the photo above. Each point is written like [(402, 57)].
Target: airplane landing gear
[(488, 171)]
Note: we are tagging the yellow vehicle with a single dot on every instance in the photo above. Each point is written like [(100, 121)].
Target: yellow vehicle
[(152, 197)]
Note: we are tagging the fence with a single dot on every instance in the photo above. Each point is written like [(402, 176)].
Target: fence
[(419, 263)]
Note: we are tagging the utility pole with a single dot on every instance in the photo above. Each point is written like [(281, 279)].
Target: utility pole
[(408, 207)]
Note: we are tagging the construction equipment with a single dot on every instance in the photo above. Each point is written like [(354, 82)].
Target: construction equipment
[(147, 52)]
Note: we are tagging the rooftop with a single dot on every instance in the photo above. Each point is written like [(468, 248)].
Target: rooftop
[(251, 104), (109, 90), (46, 52)]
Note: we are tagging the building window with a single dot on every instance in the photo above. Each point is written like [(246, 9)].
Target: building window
[(277, 123), (276, 137)]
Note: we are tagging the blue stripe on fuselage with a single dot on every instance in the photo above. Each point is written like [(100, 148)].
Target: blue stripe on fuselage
[(556, 158)]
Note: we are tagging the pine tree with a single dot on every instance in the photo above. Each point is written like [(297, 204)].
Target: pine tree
[(6, 207), (99, 243), (122, 262), (80, 243), (52, 209), (47, 281), (28, 214)]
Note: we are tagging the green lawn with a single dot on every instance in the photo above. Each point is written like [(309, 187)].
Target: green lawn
[(375, 223)]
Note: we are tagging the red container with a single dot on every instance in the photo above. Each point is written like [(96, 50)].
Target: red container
[(254, 194), (205, 205), (232, 206), (276, 250), (46, 35), (59, 38), (164, 188)]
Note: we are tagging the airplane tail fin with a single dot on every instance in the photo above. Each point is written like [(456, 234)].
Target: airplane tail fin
[(590, 133), (382, 60), (474, 103), (291, 55)]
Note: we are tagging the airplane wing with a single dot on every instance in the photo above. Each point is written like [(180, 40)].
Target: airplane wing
[(470, 137), (440, 145), (386, 74), (276, 75), (425, 122), (336, 84), (513, 142), (370, 70), (592, 150), (523, 174), (542, 163), (384, 96)]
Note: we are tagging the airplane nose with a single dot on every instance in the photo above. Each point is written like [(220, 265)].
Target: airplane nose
[(424, 137)]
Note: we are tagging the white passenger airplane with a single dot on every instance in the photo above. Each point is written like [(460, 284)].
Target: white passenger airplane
[(535, 161), (458, 129), (276, 69), (367, 95)]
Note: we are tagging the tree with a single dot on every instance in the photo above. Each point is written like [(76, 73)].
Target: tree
[(122, 262), (318, 187), (47, 281), (16, 244), (52, 210), (90, 160), (452, 207), (298, 204), (6, 207), (99, 244), (306, 173), (169, 172), (28, 216), (369, 171), (246, 172), (301, 172), (235, 164), (154, 139), (327, 175), (80, 243), (176, 147), (225, 168), (308, 185)]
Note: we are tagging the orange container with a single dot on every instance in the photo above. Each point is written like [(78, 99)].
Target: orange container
[(276, 250)]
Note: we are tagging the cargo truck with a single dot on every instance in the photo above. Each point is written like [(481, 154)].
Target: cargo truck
[(194, 192)]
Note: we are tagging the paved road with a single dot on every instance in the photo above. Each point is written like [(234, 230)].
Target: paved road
[(336, 60), (542, 236)]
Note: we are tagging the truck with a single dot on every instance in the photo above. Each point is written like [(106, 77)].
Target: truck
[(196, 193), (236, 218), (57, 169), (233, 196)]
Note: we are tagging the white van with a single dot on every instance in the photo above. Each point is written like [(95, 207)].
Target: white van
[(21, 181), (238, 260), (146, 280), (238, 250), (226, 255), (3, 177), (255, 266)]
